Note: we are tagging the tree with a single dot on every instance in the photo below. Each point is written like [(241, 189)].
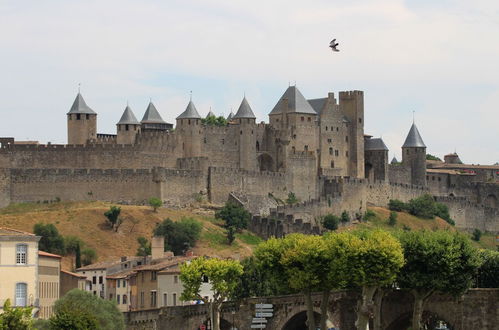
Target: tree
[(488, 270), (375, 263), (231, 234), (144, 248), (73, 245), (77, 257), (330, 222), (436, 261), (112, 216), (255, 281), (83, 310), (214, 121), (423, 207), (88, 256), (51, 241), (234, 215), (223, 275), (155, 203), (392, 219), (291, 198), (179, 236), (18, 318)]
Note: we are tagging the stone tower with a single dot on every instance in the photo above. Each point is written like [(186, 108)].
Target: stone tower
[(414, 156), (189, 127), (247, 137), (127, 128), (82, 122), (352, 106), (376, 158)]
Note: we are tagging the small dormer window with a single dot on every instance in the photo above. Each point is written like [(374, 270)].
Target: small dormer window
[(78, 116)]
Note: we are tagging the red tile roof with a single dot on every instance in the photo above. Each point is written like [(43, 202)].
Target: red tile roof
[(46, 254)]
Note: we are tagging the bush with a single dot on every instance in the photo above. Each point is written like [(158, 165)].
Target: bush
[(155, 203), (112, 216), (82, 310), (179, 236), (330, 222), (291, 198), (234, 216), (16, 318), (344, 217), (476, 235), (370, 214), (397, 205), (423, 207), (51, 241), (392, 220)]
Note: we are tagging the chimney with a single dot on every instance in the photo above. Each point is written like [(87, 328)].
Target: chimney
[(157, 247)]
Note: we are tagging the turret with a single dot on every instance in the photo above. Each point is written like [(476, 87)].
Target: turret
[(189, 128), (414, 156), (127, 128), (82, 122), (247, 138), (152, 120)]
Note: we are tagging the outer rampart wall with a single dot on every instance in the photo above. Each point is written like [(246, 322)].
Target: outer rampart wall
[(133, 186), (4, 187), (179, 186), (380, 193)]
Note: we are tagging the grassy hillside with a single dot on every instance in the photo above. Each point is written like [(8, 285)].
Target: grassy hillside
[(86, 220)]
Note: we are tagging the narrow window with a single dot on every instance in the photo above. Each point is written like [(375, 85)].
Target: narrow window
[(326, 128), (188, 122), (174, 299), (124, 283), (175, 279), (87, 116), (126, 127), (302, 118), (78, 116), (332, 164), (293, 149), (100, 279), (346, 153), (309, 119), (223, 141), (142, 299), (153, 276), (330, 151), (118, 299), (165, 299), (124, 299), (360, 120), (118, 283), (257, 146), (21, 254), (337, 129), (306, 148), (336, 153), (346, 138), (21, 293)]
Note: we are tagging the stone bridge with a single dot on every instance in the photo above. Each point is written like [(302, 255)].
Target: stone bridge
[(476, 310)]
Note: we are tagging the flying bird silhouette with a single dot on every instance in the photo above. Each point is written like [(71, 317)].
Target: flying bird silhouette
[(333, 44)]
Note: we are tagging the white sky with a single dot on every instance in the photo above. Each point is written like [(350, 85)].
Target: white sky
[(440, 60)]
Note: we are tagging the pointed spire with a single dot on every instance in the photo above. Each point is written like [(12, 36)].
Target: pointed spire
[(244, 110), (296, 102), (210, 114), (230, 116), (394, 160), (190, 112), (152, 116), (79, 106), (128, 117), (413, 139)]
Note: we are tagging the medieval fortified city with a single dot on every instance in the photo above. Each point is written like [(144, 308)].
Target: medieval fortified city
[(184, 219)]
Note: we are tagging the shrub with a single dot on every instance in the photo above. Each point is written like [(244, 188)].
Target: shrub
[(234, 215), (291, 198), (397, 205), (423, 207), (392, 220), (476, 235), (179, 236), (370, 214), (344, 217), (112, 216), (330, 222), (51, 241), (155, 203)]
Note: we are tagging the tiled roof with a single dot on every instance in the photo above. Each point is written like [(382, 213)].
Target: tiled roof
[(318, 104), (190, 112), (296, 102), (79, 106), (152, 116), (122, 274), (164, 264), (128, 117), (244, 110), (73, 274), (46, 254), (13, 232), (413, 139)]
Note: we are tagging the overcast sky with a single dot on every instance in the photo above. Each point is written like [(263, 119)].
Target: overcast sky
[(437, 58)]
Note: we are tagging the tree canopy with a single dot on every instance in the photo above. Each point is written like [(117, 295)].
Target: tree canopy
[(51, 241), (234, 216), (179, 236)]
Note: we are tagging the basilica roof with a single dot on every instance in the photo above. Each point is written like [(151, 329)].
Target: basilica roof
[(190, 112), (128, 117), (244, 110), (152, 116), (414, 139), (296, 102), (79, 106)]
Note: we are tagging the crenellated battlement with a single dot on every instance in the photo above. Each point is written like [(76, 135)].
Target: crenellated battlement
[(241, 172)]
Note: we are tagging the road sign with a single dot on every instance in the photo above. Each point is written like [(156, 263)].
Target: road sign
[(264, 306), (263, 314), (259, 320), (264, 310), (258, 326)]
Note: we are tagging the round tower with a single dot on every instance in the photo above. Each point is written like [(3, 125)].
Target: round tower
[(82, 122), (245, 118), (414, 156), (189, 128), (127, 128)]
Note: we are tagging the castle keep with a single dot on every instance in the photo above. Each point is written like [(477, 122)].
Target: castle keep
[(315, 148)]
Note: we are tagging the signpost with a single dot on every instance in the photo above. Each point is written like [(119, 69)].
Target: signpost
[(262, 311)]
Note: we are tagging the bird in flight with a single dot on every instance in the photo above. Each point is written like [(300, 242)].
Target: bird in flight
[(333, 44)]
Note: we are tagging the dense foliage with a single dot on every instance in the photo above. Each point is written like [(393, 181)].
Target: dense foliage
[(488, 272), (179, 236), (18, 318), (214, 121), (51, 241), (423, 207), (82, 310), (234, 216), (330, 222)]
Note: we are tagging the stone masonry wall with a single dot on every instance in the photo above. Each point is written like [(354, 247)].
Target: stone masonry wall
[(4, 187)]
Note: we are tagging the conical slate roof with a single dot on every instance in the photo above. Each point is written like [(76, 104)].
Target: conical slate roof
[(296, 102), (79, 106), (318, 104), (244, 110), (414, 139), (394, 160), (230, 116), (190, 112), (152, 116), (128, 118), (375, 144), (210, 114)]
